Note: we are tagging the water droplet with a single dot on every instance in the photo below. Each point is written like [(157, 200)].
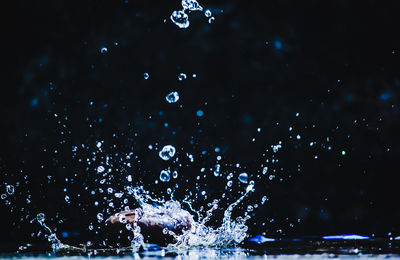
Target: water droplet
[(118, 194), (40, 218), (180, 18), (200, 113), (182, 76), (243, 177), (265, 170), (146, 75), (67, 199), (211, 20), (263, 200), (207, 13), (167, 152), (250, 208), (10, 189), (103, 50), (98, 144), (191, 5), (100, 169), (217, 169), (100, 217), (172, 97), (129, 178), (250, 187), (175, 174), (343, 152), (165, 176)]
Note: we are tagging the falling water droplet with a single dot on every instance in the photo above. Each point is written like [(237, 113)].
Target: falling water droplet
[(118, 194), (10, 189), (182, 76), (146, 75), (180, 18), (165, 176), (167, 152), (172, 97), (100, 169), (100, 217), (243, 177), (191, 5), (263, 200), (207, 13), (217, 169), (40, 218)]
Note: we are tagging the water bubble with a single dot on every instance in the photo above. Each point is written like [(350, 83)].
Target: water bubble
[(207, 13), (3, 196), (243, 177), (100, 169), (265, 170), (10, 189), (211, 20), (90, 227), (100, 217), (167, 152), (146, 75), (103, 50), (180, 18), (250, 208), (191, 5), (175, 174), (172, 97), (229, 183), (67, 199), (182, 76), (165, 176)]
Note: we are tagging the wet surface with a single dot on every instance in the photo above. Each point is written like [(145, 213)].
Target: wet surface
[(282, 249)]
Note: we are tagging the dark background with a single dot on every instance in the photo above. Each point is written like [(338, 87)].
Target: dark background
[(336, 63)]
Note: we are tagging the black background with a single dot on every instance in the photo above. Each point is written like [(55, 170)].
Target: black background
[(338, 67)]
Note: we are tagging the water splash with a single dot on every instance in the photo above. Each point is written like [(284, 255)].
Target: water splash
[(230, 233), (51, 237)]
